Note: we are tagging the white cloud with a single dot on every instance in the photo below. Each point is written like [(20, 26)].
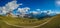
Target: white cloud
[(3, 11), (44, 11), (26, 9), (10, 6), (47, 12), (34, 12), (23, 10)]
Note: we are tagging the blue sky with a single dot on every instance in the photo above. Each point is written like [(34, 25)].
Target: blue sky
[(36, 4), (39, 4), (33, 4)]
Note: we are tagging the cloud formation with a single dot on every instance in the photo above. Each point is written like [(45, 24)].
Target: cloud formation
[(23, 10), (35, 12), (10, 6)]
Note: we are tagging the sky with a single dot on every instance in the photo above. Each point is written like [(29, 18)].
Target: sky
[(53, 5), (33, 4)]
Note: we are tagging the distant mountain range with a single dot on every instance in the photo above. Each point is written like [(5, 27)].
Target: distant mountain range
[(35, 14), (41, 15)]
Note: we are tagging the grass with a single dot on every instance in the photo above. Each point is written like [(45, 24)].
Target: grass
[(23, 21), (4, 25), (55, 23)]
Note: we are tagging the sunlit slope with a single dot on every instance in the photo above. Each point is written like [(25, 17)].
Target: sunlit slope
[(54, 23), (23, 21), (4, 25)]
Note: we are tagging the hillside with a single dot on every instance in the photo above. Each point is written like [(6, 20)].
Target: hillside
[(10, 22), (54, 23), (23, 21)]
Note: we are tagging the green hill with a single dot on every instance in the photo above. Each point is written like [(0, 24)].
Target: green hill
[(19, 22), (54, 23), (23, 21)]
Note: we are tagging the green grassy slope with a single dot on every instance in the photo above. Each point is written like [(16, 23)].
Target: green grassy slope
[(22, 21), (19, 22), (54, 23), (4, 25)]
